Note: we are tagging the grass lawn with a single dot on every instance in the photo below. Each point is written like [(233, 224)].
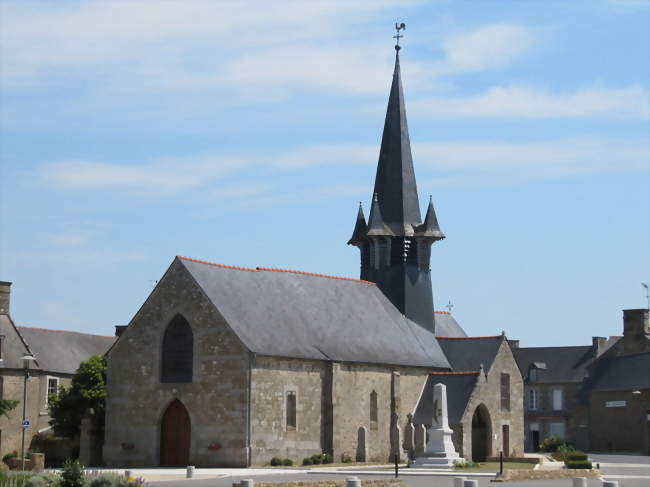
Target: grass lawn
[(494, 467)]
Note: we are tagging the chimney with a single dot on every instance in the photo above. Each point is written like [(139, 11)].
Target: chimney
[(636, 333), (597, 344), (513, 343), (5, 297), (119, 329)]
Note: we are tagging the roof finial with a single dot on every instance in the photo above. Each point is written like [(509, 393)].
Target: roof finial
[(397, 36)]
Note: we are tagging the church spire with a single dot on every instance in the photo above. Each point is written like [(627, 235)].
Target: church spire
[(395, 180), (395, 245)]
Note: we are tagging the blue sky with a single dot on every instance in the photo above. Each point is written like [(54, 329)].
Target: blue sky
[(246, 133)]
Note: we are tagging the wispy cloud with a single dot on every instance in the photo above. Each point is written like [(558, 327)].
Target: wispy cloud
[(488, 47), (527, 102)]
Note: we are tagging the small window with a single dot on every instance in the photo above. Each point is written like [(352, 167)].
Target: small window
[(532, 374), (558, 430), (52, 388), (291, 410), (505, 392), (2, 339), (374, 412), (532, 400), (557, 400)]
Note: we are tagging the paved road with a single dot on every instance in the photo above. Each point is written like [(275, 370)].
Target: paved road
[(624, 468)]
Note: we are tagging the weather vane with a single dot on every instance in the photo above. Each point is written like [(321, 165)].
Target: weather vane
[(449, 305), (397, 35)]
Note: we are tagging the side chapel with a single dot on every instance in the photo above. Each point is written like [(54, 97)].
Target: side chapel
[(231, 366)]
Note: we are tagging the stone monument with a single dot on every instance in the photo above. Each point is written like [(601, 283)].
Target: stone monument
[(440, 451)]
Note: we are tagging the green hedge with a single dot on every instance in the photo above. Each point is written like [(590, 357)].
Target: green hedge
[(578, 464), (576, 455)]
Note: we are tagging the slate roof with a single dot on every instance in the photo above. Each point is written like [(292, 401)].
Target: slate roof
[(297, 314), (468, 353), (13, 347), (61, 351), (563, 364), (623, 373), (447, 326), (459, 389)]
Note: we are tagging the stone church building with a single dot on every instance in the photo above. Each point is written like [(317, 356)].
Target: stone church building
[(231, 366)]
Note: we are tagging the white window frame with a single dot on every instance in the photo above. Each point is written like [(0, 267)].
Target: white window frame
[(47, 387), (533, 399), (558, 400)]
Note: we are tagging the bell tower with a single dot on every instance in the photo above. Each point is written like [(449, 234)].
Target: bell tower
[(395, 244)]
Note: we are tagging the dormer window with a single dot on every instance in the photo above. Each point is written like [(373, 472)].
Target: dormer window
[(532, 374)]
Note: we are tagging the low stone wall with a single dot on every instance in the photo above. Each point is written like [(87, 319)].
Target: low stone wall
[(566, 473), (514, 459), (330, 483)]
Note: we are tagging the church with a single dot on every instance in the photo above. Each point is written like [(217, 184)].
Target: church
[(232, 366)]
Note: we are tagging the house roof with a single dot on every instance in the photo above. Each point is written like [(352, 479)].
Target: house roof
[(469, 353), (298, 314), (60, 351), (562, 364), (622, 373), (13, 346), (446, 325), (459, 390)]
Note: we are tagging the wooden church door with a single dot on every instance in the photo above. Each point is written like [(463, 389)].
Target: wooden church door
[(175, 434)]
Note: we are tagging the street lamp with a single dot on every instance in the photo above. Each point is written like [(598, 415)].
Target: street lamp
[(27, 359)]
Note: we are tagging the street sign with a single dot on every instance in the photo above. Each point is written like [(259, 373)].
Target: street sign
[(26, 424)]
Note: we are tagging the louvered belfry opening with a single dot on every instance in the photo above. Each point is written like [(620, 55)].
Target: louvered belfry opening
[(178, 351)]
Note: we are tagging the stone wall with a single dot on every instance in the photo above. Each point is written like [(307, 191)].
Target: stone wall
[(216, 399), (488, 392), (620, 429), (11, 382)]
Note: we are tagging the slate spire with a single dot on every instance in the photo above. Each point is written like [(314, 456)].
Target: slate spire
[(396, 245), (360, 228), (395, 180)]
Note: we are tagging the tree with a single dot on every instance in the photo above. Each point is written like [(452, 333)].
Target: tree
[(88, 390), (7, 405)]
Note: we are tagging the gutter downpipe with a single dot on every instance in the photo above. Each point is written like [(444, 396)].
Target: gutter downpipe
[(251, 361)]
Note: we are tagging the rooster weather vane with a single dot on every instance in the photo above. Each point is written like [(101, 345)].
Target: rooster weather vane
[(397, 35)]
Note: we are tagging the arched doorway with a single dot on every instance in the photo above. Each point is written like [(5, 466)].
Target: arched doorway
[(481, 434), (175, 434)]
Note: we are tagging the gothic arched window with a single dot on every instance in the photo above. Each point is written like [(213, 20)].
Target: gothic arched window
[(177, 351), (374, 410)]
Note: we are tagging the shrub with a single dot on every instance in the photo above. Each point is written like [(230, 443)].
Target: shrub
[(109, 480), (346, 460), (327, 458), (307, 461), (9, 456), (72, 474), (276, 461), (578, 464), (317, 459), (287, 462), (550, 444), (36, 481), (576, 455), (465, 464)]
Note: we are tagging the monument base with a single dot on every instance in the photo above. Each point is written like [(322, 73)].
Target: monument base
[(446, 462)]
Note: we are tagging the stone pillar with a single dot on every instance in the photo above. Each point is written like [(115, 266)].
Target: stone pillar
[(420, 439), (409, 437), (395, 443), (37, 462)]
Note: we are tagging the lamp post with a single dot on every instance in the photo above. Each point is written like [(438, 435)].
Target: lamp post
[(27, 358)]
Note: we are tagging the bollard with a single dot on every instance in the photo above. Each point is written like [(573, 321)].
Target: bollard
[(352, 482), (579, 481), (458, 481), (610, 483), (470, 483), (190, 472), (246, 483)]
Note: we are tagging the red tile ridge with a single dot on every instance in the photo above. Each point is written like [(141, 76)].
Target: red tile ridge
[(199, 261), (441, 312), (271, 269), (468, 372), (64, 331), (314, 274), (468, 338)]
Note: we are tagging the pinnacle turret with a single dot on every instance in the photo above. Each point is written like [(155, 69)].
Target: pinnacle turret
[(360, 228)]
